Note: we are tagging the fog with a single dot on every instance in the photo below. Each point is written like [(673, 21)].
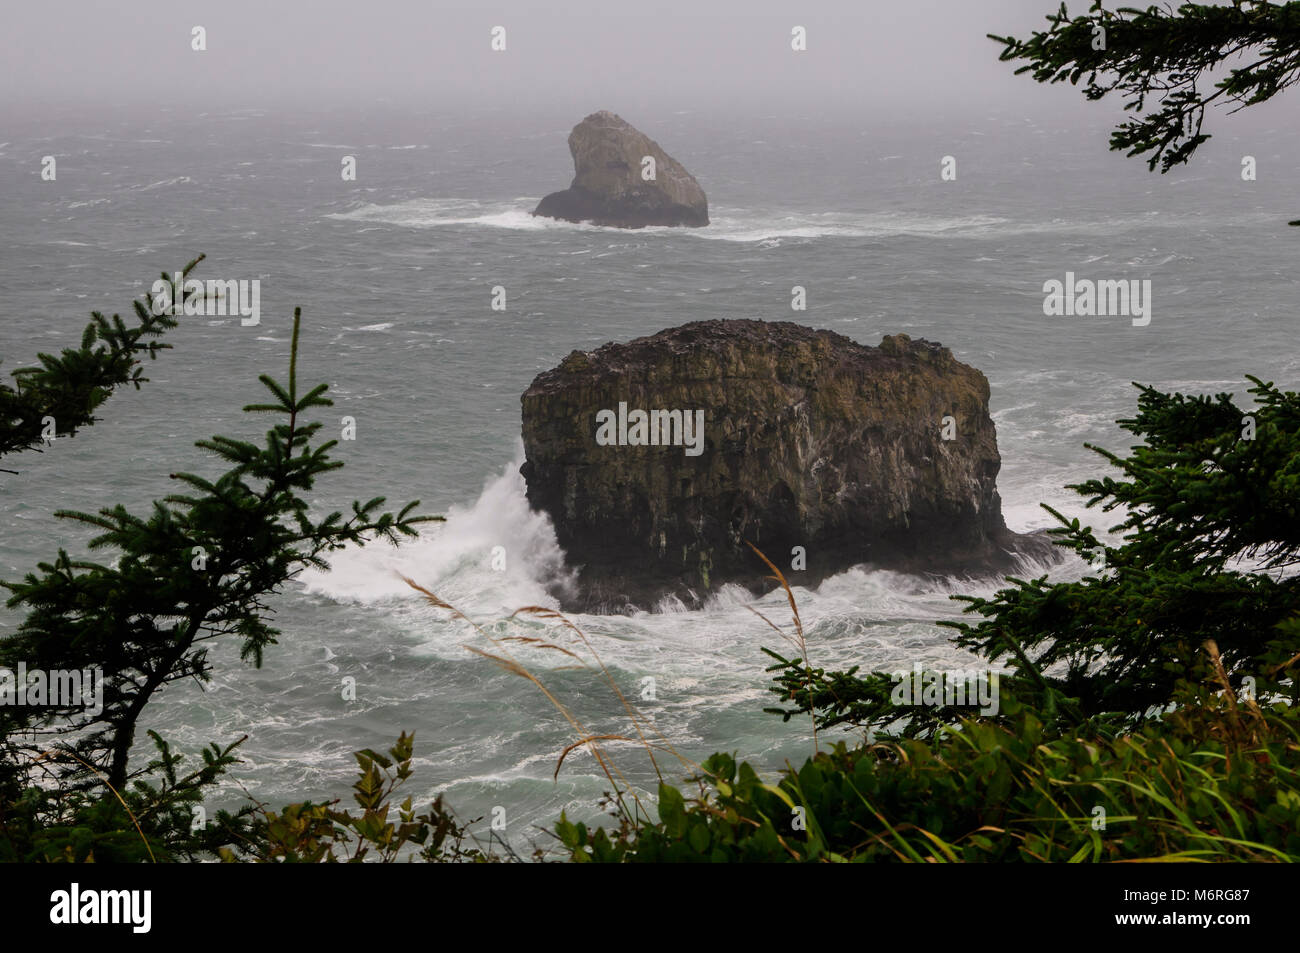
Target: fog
[(863, 57)]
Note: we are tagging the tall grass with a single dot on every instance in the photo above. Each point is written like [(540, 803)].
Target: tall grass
[(586, 737), (1215, 778)]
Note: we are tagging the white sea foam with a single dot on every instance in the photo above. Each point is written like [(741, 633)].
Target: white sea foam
[(161, 184), (440, 213), (766, 227), (737, 225), (455, 559)]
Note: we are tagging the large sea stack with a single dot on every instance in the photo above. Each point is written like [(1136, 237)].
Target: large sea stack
[(610, 185), (810, 440)]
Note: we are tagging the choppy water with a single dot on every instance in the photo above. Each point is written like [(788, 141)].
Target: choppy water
[(394, 273)]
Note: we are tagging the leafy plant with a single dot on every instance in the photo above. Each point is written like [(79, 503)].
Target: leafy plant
[(1217, 778), (320, 833)]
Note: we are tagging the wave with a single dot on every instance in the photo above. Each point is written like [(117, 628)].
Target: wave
[(497, 555), (765, 227), (441, 213), (487, 559), (737, 225), (161, 184)]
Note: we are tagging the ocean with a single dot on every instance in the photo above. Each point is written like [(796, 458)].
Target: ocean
[(395, 271)]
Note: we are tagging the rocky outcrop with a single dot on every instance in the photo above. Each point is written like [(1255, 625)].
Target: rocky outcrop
[(610, 185), (809, 440)]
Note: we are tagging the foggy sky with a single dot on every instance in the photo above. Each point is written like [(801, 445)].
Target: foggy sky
[(865, 57)]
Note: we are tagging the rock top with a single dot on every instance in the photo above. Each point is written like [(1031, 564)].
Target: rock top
[(809, 440), (609, 185)]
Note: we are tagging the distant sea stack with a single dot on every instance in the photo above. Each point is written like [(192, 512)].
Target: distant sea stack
[(658, 459), (611, 183)]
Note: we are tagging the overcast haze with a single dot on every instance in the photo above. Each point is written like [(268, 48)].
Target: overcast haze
[(864, 57)]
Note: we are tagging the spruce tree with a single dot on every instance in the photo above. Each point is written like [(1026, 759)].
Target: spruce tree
[(202, 565), (1209, 543), (1159, 59), (62, 393)]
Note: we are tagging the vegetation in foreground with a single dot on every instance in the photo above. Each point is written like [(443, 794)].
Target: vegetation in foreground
[(1149, 711)]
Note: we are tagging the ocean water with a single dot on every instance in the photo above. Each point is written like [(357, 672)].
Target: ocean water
[(394, 274)]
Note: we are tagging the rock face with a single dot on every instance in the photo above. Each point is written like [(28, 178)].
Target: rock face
[(608, 185), (809, 440)]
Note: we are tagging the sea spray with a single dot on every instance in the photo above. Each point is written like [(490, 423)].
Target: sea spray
[(488, 558)]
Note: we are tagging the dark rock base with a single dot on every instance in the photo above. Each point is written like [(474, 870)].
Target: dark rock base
[(631, 211), (598, 592)]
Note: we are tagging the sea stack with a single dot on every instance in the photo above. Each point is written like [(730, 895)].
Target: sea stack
[(622, 178), (658, 460)]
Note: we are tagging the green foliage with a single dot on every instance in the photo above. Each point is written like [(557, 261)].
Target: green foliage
[(1210, 529), (1213, 780), (1107, 745), (151, 821), (199, 567), (1104, 714), (70, 387), (1163, 55), (320, 833)]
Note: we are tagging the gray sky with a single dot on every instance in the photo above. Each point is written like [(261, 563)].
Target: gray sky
[(864, 57)]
